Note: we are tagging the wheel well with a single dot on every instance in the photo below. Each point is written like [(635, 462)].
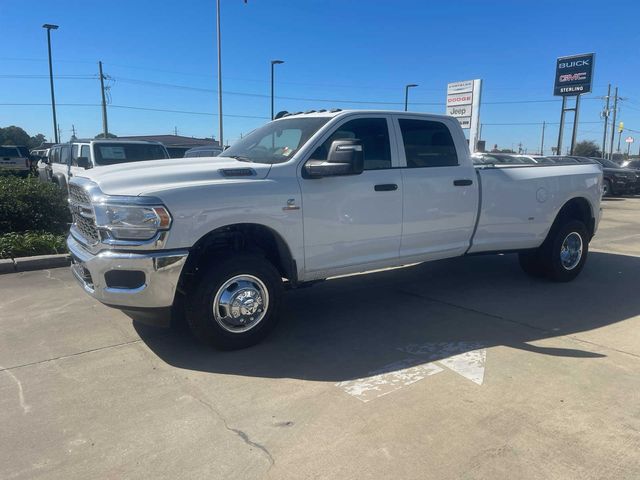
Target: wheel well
[(242, 237), (577, 208)]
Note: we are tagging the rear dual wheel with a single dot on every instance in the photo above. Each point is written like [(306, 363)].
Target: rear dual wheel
[(562, 255)]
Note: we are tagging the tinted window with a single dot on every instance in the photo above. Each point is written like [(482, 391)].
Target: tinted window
[(607, 163), (634, 164), (9, 152), (84, 151), (65, 154), (427, 144), (112, 153), (374, 135), (74, 152)]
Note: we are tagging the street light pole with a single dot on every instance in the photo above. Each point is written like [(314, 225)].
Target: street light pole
[(220, 131), (273, 63), (50, 27), (406, 95)]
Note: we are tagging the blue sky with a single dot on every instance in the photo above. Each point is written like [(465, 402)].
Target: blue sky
[(338, 53)]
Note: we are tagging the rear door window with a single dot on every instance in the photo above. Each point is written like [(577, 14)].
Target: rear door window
[(427, 144)]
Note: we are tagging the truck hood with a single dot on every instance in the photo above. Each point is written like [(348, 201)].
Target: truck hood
[(138, 178)]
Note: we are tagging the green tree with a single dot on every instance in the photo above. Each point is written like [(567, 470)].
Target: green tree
[(14, 136), (109, 135), (587, 148), (17, 136), (37, 140)]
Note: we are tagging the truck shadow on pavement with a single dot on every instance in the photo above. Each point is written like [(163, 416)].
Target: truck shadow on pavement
[(353, 327)]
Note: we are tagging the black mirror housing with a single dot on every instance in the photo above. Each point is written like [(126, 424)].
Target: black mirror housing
[(83, 162), (346, 157)]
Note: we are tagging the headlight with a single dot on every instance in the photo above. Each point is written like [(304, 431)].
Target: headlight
[(132, 222)]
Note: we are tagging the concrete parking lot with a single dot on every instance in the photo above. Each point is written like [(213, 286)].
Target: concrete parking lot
[(456, 369)]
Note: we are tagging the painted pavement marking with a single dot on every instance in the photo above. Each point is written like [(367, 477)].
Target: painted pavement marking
[(467, 359)]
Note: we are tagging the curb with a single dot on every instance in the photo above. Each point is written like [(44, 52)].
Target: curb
[(39, 262)]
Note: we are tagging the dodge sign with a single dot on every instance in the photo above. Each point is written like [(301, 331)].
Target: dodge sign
[(463, 103), (574, 74)]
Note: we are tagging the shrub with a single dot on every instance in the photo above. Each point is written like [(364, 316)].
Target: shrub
[(27, 204), (26, 244)]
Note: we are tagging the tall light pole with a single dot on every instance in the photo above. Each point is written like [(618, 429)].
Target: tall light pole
[(220, 137), (273, 63), (50, 27), (406, 95)]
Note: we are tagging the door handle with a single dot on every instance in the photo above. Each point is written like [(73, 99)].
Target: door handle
[(386, 187), (465, 182)]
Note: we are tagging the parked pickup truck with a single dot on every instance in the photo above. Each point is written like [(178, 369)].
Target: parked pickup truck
[(311, 196)]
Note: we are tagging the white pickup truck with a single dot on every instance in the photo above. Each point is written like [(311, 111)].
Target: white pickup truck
[(311, 196)]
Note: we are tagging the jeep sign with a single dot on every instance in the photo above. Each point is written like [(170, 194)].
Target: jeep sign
[(574, 74), (463, 103)]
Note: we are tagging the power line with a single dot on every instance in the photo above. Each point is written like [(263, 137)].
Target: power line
[(131, 107)]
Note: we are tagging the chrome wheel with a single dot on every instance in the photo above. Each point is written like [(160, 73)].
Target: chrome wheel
[(571, 251), (241, 303)]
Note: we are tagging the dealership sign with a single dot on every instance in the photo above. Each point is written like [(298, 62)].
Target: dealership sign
[(463, 103), (574, 74)]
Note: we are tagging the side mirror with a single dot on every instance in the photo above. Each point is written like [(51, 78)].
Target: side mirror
[(346, 157), (83, 162)]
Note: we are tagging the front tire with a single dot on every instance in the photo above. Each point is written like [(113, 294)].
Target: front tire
[(234, 304)]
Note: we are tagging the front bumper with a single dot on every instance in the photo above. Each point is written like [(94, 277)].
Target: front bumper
[(157, 289)]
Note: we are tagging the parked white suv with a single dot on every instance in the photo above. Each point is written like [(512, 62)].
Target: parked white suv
[(311, 196), (13, 158), (69, 159)]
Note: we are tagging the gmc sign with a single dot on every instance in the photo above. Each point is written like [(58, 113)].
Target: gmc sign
[(574, 74)]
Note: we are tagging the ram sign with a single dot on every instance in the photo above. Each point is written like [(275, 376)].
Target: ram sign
[(463, 103), (574, 74)]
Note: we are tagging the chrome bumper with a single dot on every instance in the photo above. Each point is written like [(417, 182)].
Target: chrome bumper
[(161, 274)]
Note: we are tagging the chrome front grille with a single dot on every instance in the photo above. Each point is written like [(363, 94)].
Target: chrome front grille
[(82, 214)]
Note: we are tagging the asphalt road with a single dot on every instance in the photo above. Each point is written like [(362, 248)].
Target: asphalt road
[(459, 369)]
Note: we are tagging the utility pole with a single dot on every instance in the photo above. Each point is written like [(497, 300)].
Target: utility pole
[(59, 132), (613, 124), (105, 128), (56, 134), (175, 131), (605, 114), (220, 136), (544, 124), (73, 131)]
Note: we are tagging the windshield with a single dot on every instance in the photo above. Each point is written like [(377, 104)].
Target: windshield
[(276, 142), (607, 163), (112, 153)]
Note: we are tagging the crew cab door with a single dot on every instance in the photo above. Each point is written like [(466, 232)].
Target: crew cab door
[(60, 163), (439, 186), (354, 220), (79, 151)]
